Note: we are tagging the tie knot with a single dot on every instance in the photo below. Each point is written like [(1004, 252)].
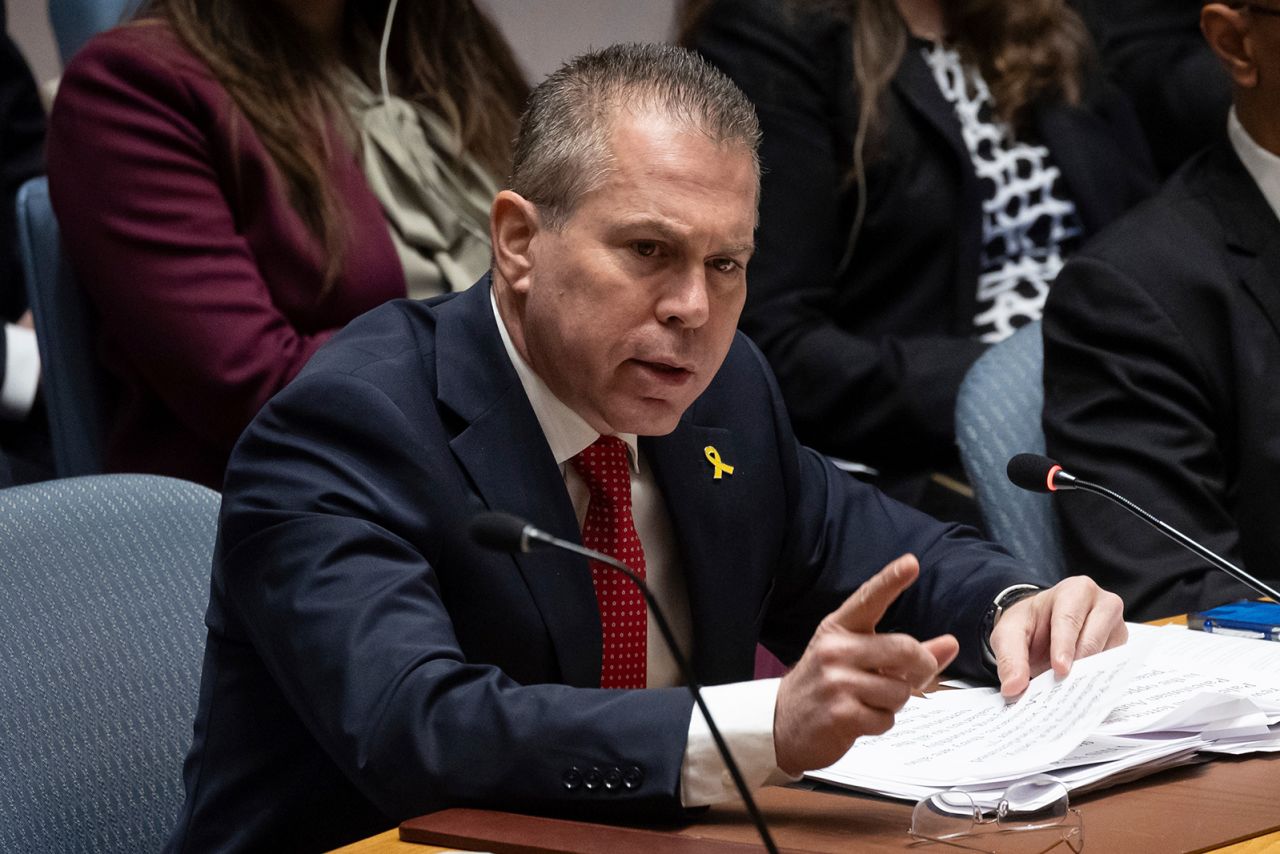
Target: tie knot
[(603, 466)]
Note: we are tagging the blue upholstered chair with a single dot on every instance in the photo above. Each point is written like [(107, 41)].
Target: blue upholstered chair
[(997, 416), (103, 585), (74, 22), (74, 384)]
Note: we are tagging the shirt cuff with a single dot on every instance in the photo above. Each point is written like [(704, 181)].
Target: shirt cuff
[(744, 713), (21, 372)]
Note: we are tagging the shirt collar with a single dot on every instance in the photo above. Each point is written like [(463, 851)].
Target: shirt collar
[(1262, 165), (567, 432)]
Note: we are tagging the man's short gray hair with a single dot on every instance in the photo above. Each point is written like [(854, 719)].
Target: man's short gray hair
[(562, 149)]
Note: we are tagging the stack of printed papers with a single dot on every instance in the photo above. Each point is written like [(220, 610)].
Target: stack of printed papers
[(1168, 697)]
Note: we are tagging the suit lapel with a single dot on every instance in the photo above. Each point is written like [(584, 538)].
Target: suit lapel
[(1082, 172), (504, 452), (1080, 144), (1260, 276), (915, 83), (706, 518), (1251, 228)]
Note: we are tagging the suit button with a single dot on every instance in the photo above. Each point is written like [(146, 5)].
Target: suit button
[(633, 777), (613, 779), (592, 779), (572, 779)]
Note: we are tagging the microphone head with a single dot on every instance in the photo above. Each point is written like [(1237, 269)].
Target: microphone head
[(1033, 472), (498, 531)]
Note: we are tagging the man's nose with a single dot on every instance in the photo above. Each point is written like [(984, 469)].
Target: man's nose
[(686, 302)]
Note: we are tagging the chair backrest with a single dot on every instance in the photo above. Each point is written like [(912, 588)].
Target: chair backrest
[(103, 585), (997, 416), (74, 22), (75, 384)]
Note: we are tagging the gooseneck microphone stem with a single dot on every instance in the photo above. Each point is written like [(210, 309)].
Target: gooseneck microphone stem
[(1037, 473), (491, 530), (1178, 537)]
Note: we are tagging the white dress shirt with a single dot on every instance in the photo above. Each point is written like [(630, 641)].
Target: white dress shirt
[(743, 710), (1262, 165)]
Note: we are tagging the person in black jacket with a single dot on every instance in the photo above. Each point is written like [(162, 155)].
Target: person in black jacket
[(24, 448), (1162, 352), (1154, 53), (885, 261)]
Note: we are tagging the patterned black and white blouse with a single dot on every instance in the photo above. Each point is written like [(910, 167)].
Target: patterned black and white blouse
[(1029, 225)]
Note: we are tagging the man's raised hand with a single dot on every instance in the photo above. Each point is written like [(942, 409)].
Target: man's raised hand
[(851, 681)]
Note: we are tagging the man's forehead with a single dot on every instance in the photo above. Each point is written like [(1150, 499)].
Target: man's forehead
[(648, 145)]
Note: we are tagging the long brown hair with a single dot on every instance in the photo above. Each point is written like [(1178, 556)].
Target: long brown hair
[(1027, 51), (444, 54)]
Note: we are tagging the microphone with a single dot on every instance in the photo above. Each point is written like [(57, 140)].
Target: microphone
[(1037, 473), (506, 533)]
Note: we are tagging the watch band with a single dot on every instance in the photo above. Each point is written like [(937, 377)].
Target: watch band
[(1004, 600)]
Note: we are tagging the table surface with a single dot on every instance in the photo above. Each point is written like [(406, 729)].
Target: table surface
[(389, 843), (1174, 797), (1231, 802)]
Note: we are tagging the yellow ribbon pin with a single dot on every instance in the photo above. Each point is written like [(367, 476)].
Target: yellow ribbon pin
[(713, 457)]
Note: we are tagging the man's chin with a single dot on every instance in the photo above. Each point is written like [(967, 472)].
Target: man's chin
[(648, 417)]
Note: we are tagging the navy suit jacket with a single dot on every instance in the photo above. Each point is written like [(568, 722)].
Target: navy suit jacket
[(367, 662)]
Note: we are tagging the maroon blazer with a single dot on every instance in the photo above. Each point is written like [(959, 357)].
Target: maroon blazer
[(205, 280)]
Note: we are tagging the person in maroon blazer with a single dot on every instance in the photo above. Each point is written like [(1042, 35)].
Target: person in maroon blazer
[(203, 167)]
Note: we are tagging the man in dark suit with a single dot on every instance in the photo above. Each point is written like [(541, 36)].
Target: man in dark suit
[(1162, 350), (368, 662), (24, 451)]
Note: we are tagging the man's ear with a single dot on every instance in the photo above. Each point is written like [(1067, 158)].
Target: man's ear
[(513, 225), (1227, 32)]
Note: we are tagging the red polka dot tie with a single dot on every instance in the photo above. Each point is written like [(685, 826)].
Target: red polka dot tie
[(609, 528)]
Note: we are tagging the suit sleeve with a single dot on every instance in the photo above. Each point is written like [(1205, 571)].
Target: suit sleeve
[(146, 222), (1128, 403), (841, 531), (846, 392), (329, 567)]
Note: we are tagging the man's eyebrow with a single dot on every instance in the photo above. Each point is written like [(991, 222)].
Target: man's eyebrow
[(666, 231), (661, 226)]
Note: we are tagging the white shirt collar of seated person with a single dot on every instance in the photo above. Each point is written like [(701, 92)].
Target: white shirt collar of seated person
[(1262, 165)]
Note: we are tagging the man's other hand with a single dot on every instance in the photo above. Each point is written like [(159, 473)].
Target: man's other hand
[(851, 681), (1073, 619)]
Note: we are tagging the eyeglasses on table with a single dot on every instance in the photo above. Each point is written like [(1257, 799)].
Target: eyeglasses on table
[(1032, 816)]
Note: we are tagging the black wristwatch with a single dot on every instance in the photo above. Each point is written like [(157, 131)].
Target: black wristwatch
[(1004, 600)]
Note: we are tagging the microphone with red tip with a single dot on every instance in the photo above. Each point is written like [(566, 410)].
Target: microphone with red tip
[(506, 533), (1037, 473)]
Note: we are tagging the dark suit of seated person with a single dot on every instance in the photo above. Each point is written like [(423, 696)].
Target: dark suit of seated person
[(367, 662), (1162, 349), (24, 439)]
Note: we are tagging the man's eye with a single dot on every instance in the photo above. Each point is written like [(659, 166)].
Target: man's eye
[(724, 265), (645, 248)]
